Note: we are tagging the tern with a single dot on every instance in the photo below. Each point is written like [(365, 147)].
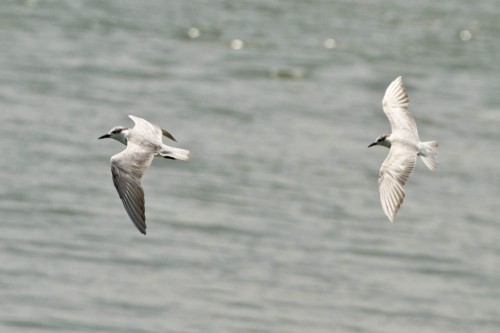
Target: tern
[(144, 142), (404, 146)]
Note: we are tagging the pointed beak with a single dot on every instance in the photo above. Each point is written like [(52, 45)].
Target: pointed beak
[(104, 136), (372, 144)]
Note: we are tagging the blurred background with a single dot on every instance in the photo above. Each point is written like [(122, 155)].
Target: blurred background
[(275, 223)]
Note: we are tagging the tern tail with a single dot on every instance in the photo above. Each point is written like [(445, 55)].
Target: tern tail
[(174, 153), (428, 154)]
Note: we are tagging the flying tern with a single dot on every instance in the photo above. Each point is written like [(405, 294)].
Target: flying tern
[(143, 141), (404, 146)]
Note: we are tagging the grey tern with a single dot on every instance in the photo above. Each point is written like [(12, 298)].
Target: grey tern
[(144, 142), (404, 146)]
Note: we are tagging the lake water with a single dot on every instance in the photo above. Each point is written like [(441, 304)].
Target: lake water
[(275, 223)]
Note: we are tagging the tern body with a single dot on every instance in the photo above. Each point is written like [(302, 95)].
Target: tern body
[(404, 145), (144, 142)]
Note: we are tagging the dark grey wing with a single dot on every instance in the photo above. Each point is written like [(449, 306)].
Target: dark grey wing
[(127, 169), (395, 104), (167, 134), (394, 172)]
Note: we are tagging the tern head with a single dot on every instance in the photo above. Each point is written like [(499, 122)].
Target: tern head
[(119, 133), (383, 140)]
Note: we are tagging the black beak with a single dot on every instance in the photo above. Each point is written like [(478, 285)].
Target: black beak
[(104, 136), (372, 144)]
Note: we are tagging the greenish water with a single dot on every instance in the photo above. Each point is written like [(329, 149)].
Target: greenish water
[(275, 224)]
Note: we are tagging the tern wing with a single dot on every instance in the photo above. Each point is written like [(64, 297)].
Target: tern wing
[(168, 135), (127, 168), (146, 127), (394, 173), (395, 104)]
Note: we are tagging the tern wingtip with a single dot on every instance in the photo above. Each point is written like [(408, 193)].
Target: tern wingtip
[(398, 80)]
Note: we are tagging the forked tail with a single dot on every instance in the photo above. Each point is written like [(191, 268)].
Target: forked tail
[(428, 154), (174, 153)]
